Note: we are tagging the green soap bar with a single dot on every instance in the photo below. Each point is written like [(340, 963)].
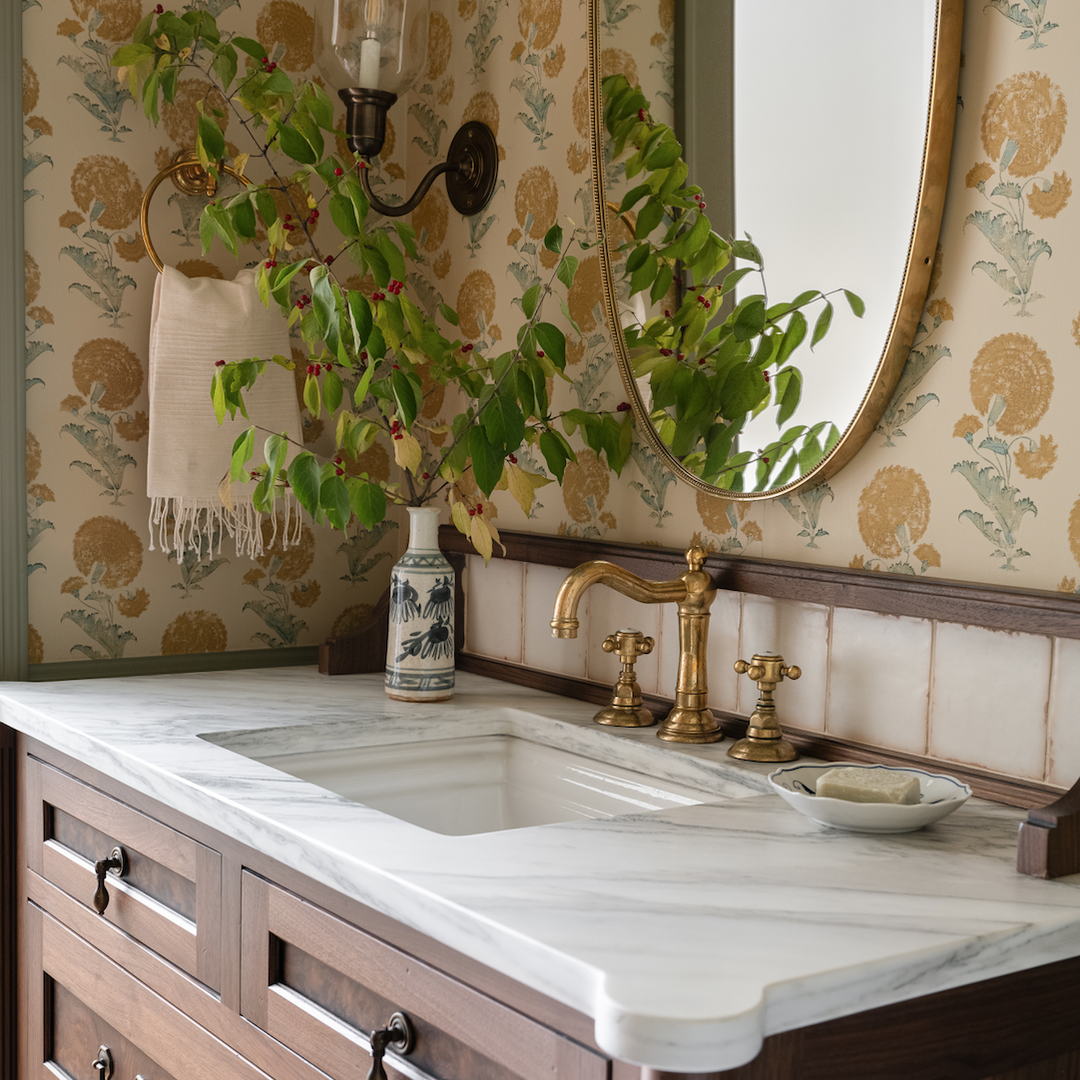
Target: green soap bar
[(869, 785)]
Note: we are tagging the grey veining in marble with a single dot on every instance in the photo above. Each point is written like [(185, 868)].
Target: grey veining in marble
[(687, 934)]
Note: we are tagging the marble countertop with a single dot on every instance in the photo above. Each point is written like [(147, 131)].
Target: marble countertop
[(687, 934)]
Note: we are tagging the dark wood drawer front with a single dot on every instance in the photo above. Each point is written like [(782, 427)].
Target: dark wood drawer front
[(170, 894), (320, 985), (85, 1001)]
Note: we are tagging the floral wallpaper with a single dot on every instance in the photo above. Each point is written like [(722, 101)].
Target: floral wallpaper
[(967, 477)]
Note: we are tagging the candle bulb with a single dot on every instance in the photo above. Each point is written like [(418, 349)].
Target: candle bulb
[(370, 55)]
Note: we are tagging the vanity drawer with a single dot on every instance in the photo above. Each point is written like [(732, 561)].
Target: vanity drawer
[(85, 1002), (319, 985), (169, 896)]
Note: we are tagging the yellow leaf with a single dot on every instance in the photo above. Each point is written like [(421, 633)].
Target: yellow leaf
[(459, 512), (407, 451), (480, 535), (162, 42), (522, 484), (495, 535), (185, 53), (312, 202), (240, 163), (224, 492)]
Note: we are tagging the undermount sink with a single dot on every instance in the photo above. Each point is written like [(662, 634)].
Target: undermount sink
[(484, 782)]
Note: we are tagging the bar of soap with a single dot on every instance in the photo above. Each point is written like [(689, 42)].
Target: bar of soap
[(869, 786)]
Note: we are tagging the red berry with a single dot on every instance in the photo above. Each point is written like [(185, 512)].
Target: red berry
[(623, 406), (340, 472), (702, 204), (339, 171), (667, 314), (159, 10), (540, 353), (426, 476), (467, 347), (328, 260), (311, 369), (288, 217), (266, 59), (665, 352), (472, 513), (219, 363), (708, 304), (479, 508), (766, 460), (701, 359), (513, 459), (641, 115)]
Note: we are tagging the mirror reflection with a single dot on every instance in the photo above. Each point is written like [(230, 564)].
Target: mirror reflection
[(813, 137)]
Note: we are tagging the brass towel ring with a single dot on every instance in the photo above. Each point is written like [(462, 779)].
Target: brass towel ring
[(192, 179)]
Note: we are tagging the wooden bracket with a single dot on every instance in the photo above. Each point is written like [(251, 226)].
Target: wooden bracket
[(1049, 842)]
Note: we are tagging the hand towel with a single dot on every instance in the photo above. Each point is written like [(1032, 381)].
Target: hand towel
[(195, 323)]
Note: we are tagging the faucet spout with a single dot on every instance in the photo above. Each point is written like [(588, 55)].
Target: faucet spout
[(690, 720)]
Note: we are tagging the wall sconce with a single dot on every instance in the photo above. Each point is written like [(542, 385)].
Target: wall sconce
[(371, 51)]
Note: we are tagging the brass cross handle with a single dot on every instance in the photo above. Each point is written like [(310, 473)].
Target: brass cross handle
[(764, 740), (626, 709)]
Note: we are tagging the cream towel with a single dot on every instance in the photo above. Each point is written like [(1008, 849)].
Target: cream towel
[(196, 322)]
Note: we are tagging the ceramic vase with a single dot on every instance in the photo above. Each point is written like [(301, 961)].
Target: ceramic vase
[(420, 646)]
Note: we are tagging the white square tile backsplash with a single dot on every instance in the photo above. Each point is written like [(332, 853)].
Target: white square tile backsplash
[(988, 702), (989, 699), (879, 679)]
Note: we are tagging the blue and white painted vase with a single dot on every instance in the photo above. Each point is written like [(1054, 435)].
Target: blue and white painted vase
[(420, 648)]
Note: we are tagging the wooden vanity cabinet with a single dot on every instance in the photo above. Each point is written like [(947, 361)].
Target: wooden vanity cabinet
[(212, 962)]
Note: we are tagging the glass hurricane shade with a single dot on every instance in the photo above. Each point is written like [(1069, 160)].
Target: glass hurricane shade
[(371, 44)]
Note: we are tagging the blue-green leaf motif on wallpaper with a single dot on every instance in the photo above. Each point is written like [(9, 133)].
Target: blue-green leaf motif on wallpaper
[(479, 226), (805, 509), (430, 123), (903, 408), (656, 478), (109, 94), (98, 619), (1007, 508), (198, 563), (98, 263), (480, 39), (530, 84), (1030, 16), (27, 4), (1020, 249), (615, 12), (95, 434), (211, 7), (274, 608), (358, 549)]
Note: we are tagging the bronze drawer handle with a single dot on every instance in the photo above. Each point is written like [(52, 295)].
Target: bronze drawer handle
[(103, 1063), (116, 864), (398, 1035)]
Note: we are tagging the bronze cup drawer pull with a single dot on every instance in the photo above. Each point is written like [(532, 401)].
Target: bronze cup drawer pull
[(398, 1036), (103, 1063), (115, 864)]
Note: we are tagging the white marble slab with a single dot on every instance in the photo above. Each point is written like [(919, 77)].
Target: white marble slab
[(688, 935)]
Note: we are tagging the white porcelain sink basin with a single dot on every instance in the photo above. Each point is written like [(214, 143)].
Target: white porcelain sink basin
[(484, 782)]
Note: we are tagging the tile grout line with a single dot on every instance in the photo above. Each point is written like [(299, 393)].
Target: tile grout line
[(930, 684), (1047, 754)]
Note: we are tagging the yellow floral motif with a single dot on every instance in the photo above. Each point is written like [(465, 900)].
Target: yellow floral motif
[(545, 15), (1048, 202), (1074, 530), (305, 594), (608, 518), (586, 293), (584, 478), (577, 158), (513, 237), (1076, 330), (517, 50), (296, 560), (69, 28), (35, 646), (32, 277), (536, 194), (476, 299), (1013, 366), (940, 309), (194, 632), (109, 542), (967, 425), (112, 364), (856, 563), (441, 265), (979, 174), (72, 403), (42, 315), (896, 496), (430, 220), (39, 124), (1030, 110), (71, 584), (254, 575), (70, 219), (181, 119), (33, 457), (288, 23), (351, 619), (554, 62), (446, 94), (106, 179), (466, 8), (928, 554), (1068, 584), (395, 170), (42, 492), (133, 430), (134, 604), (1036, 463), (120, 16)]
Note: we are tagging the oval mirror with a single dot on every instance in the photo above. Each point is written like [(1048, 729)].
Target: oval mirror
[(829, 144)]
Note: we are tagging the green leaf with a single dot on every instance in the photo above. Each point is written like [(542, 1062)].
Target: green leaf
[(652, 213), (529, 300), (211, 139), (312, 396), (225, 65), (334, 499), (405, 398), (855, 303), (244, 217), (368, 501), (332, 391), (362, 322), (343, 215), (821, 327), (294, 145), (449, 314), (251, 47), (553, 239), (788, 392), (553, 342), (487, 461), (744, 387), (566, 270), (551, 446), (395, 261), (749, 319), (503, 423), (243, 448), (305, 479), (793, 336), (266, 206)]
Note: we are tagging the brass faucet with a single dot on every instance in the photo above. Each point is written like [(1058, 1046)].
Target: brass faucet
[(690, 721)]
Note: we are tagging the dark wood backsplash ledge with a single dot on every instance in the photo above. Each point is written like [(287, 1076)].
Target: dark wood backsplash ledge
[(1032, 611), (997, 608)]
